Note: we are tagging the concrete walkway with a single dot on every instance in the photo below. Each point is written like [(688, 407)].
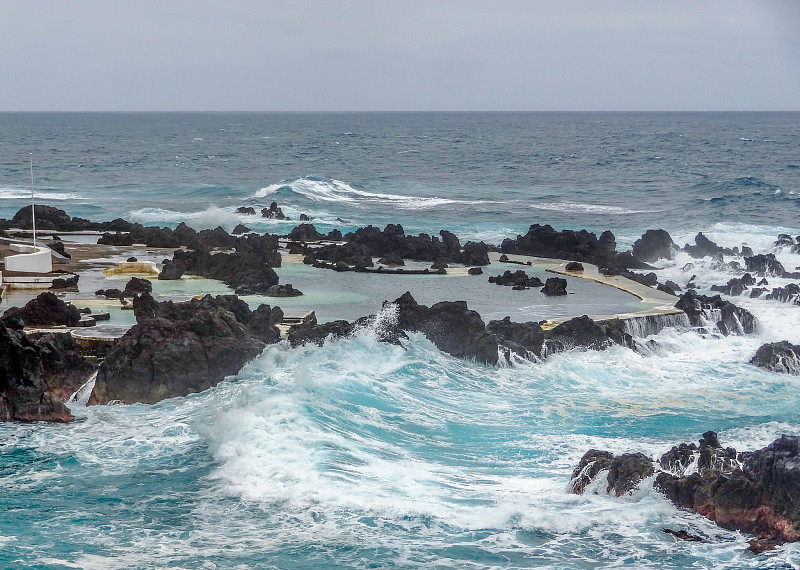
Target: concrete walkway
[(657, 302)]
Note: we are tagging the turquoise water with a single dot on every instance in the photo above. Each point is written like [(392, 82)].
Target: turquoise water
[(360, 454)]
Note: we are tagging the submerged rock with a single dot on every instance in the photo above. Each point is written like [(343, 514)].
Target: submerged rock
[(176, 349)]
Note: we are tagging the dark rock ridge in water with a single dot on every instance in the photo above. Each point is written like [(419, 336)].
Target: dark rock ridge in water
[(783, 357), (365, 243), (757, 492), (24, 395), (544, 241), (713, 314), (45, 310), (273, 212), (455, 329), (625, 472), (247, 269), (176, 349), (518, 280), (283, 291)]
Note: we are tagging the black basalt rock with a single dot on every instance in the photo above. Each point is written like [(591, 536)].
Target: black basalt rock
[(45, 310), (172, 271), (712, 314), (654, 245), (176, 349), (451, 326), (782, 357), (555, 287)]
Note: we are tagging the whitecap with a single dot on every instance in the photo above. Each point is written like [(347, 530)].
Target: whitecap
[(9, 193), (337, 191), (587, 208)]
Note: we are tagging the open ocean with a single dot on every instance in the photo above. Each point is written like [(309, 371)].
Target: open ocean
[(360, 454)]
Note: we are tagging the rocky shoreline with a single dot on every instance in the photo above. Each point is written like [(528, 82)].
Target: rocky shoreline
[(757, 492), (180, 348)]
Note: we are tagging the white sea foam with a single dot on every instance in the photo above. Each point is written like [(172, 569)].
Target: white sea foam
[(8, 193), (338, 191), (209, 218), (586, 208)]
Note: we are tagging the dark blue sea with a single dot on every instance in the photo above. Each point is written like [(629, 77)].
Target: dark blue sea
[(360, 454)]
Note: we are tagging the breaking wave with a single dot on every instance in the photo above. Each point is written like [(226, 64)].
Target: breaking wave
[(321, 190)]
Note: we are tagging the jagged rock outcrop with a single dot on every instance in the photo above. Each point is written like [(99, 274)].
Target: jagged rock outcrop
[(368, 242), (757, 492), (136, 287), (45, 310), (24, 395), (555, 287), (704, 247), (788, 294), (283, 291), (764, 264), (273, 212), (305, 333), (625, 471), (249, 210), (240, 229), (176, 349), (172, 271), (60, 283), (524, 339), (654, 245), (248, 270), (544, 241), (63, 364), (783, 357), (451, 326), (713, 314), (518, 280)]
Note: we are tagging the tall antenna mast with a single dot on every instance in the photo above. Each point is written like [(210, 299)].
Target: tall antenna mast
[(33, 205)]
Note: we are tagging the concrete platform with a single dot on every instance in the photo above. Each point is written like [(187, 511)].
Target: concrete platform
[(659, 303)]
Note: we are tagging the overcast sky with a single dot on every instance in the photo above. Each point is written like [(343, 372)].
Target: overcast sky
[(330, 55)]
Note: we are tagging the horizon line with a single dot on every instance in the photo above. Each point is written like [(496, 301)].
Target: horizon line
[(332, 112)]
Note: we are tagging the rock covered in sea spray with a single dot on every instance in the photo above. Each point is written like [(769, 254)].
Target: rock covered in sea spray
[(782, 357), (176, 349), (756, 492), (624, 472), (713, 314)]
